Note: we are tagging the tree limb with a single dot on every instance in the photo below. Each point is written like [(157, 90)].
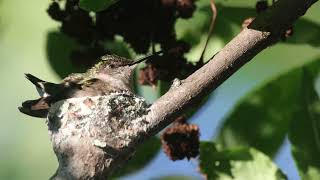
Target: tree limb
[(87, 153), (265, 30)]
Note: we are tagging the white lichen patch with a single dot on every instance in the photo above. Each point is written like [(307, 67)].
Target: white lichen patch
[(107, 121), (98, 143), (176, 83)]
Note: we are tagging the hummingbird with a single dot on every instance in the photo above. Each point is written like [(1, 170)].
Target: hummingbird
[(111, 74)]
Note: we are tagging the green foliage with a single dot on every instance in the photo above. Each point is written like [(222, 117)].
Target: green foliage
[(237, 163), (144, 154), (59, 48), (304, 131), (261, 118), (119, 47), (227, 25), (264, 117), (306, 32), (96, 5)]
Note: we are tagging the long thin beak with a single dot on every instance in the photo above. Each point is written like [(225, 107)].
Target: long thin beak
[(145, 58), (133, 66)]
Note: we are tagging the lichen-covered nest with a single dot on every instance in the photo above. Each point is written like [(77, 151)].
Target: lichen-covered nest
[(93, 131)]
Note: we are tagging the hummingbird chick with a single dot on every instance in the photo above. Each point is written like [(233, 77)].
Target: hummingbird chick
[(111, 74)]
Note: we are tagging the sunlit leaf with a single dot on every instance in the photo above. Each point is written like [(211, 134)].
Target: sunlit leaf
[(262, 117), (236, 164), (227, 25), (96, 5), (304, 131)]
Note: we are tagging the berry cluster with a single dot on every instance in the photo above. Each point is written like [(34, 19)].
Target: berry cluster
[(181, 140), (170, 65), (262, 6), (142, 24), (78, 24)]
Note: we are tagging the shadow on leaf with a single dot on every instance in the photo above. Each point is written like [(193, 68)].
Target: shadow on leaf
[(59, 48), (305, 32), (304, 133), (261, 118), (236, 163)]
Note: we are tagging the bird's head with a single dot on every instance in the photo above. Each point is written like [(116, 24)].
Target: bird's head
[(112, 66)]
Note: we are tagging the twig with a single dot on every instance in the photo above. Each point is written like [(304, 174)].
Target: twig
[(213, 20)]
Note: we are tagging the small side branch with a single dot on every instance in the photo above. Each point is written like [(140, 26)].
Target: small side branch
[(264, 31)]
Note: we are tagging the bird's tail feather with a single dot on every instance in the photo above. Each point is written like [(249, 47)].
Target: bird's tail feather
[(36, 108), (34, 80)]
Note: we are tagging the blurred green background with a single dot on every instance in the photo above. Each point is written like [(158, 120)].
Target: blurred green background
[(25, 149)]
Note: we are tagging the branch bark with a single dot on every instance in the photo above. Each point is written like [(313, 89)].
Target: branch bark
[(84, 154), (265, 30)]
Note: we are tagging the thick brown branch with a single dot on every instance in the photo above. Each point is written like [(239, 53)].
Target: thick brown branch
[(238, 52), (265, 30)]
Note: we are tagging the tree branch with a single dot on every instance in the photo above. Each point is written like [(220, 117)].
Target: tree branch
[(265, 30), (91, 148)]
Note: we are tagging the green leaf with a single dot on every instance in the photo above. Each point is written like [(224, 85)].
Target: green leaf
[(262, 117), (163, 87), (227, 25), (144, 154), (304, 131), (305, 32), (118, 47), (96, 5), (59, 48), (237, 164)]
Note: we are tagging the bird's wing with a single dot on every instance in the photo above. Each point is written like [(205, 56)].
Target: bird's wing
[(36, 108), (45, 88)]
